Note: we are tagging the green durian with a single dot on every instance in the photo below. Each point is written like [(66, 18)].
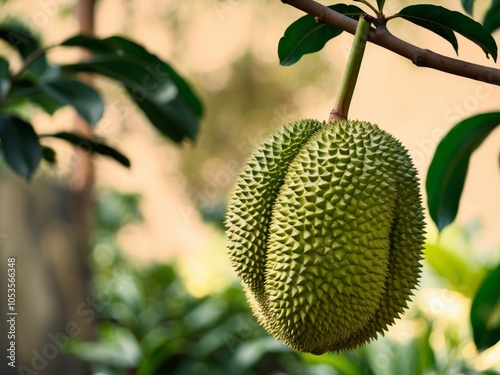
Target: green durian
[(325, 231)]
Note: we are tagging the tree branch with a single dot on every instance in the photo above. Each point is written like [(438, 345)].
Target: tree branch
[(382, 37)]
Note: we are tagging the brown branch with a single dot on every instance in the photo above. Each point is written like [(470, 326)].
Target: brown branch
[(382, 37)]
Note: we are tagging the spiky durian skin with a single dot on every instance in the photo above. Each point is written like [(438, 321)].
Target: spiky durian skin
[(325, 231)]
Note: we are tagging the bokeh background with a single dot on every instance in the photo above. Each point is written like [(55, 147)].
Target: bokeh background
[(158, 247)]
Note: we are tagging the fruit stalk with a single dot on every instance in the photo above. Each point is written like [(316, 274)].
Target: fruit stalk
[(341, 108)]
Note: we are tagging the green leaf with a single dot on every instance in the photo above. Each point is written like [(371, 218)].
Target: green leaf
[(467, 5), (26, 91), (443, 22), (25, 42), (4, 77), (448, 169), (454, 269), (491, 20), (86, 101), (485, 312), (159, 69), (307, 36), (90, 43), (380, 5), (157, 97), (91, 146), (20, 145), (162, 94)]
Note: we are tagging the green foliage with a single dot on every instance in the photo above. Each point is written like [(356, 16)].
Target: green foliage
[(491, 21), (308, 36), (4, 77), (83, 98), (20, 145), (485, 311), (448, 169), (159, 91), (460, 274), (467, 5), (444, 22), (492, 17), (150, 324), (27, 44), (162, 94)]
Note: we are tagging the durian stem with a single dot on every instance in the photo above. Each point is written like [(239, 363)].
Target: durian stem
[(341, 108)]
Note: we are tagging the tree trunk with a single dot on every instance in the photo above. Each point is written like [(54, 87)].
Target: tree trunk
[(82, 176)]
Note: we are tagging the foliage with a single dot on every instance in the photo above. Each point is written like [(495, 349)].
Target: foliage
[(446, 174), (307, 36), (149, 324), (159, 91), (485, 312)]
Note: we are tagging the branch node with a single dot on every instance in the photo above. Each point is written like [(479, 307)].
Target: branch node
[(321, 18), (336, 116), (420, 60)]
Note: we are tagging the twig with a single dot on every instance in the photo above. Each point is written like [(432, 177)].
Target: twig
[(382, 37), (31, 59)]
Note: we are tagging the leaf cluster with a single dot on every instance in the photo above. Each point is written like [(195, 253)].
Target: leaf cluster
[(152, 84)]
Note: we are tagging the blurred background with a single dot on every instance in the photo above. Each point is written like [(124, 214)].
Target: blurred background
[(156, 294)]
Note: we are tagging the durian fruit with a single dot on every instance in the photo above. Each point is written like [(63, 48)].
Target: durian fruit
[(325, 231)]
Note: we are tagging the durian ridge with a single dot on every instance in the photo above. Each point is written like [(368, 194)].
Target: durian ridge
[(325, 231)]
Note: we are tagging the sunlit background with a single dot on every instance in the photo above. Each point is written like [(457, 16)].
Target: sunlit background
[(228, 51)]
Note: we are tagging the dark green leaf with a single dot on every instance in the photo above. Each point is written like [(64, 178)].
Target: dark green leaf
[(380, 4), (157, 69), (20, 145), (86, 101), (22, 89), (485, 312), (491, 20), (448, 169), (4, 77), (91, 146), (25, 42), (169, 117), (91, 43), (47, 104), (307, 36), (157, 97), (26, 91), (443, 22), (49, 155), (440, 30), (467, 5)]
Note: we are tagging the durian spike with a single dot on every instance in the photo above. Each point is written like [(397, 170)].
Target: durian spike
[(341, 108)]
